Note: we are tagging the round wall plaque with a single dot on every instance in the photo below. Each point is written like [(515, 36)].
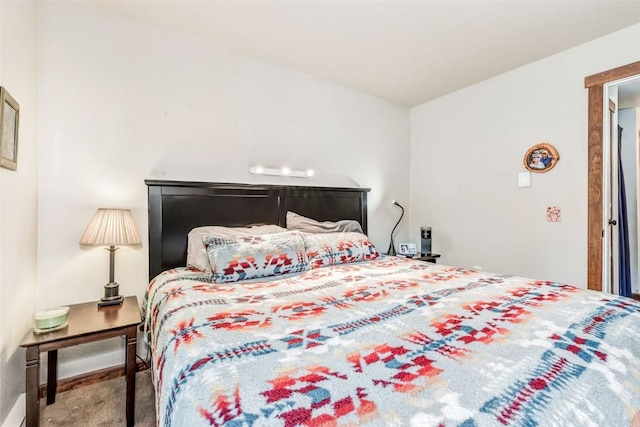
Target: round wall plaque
[(541, 158)]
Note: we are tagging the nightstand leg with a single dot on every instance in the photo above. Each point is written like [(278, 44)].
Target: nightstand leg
[(130, 372), (32, 386), (52, 376)]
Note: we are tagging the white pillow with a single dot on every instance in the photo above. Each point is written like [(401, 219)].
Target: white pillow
[(197, 256)]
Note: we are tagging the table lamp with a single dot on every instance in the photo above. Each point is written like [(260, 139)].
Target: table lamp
[(392, 246), (111, 227)]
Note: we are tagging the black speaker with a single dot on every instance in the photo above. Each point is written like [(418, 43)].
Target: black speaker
[(425, 241)]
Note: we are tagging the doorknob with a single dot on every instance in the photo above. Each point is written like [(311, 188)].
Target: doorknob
[(613, 222)]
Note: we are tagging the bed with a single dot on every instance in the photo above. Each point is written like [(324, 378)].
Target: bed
[(365, 339)]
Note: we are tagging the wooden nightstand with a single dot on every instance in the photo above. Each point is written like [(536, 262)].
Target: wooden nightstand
[(87, 322)]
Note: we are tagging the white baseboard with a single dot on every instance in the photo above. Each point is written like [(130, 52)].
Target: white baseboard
[(17, 414)]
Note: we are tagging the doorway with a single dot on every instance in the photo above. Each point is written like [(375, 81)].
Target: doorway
[(596, 191), (620, 186)]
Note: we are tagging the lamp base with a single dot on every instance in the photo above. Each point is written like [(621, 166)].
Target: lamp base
[(392, 249), (104, 301), (111, 296)]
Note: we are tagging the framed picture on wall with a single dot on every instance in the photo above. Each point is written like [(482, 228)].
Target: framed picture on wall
[(541, 158), (9, 119)]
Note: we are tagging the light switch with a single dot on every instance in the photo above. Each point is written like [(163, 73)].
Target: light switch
[(524, 179)]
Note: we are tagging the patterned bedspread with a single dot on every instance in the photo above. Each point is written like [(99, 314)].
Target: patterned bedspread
[(391, 342)]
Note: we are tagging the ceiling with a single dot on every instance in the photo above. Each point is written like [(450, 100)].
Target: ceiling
[(407, 52)]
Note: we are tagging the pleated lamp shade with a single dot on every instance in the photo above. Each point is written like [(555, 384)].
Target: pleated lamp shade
[(111, 227)]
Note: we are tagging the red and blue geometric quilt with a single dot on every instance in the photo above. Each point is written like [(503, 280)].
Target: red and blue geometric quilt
[(391, 342)]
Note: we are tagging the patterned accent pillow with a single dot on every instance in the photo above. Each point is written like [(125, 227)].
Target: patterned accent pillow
[(197, 256), (338, 248), (249, 257)]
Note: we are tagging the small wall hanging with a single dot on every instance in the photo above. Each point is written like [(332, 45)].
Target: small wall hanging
[(9, 118), (541, 158)]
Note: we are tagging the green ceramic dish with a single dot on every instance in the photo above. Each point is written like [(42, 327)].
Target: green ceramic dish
[(50, 318)]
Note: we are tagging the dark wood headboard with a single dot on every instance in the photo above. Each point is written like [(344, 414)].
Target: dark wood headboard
[(176, 207)]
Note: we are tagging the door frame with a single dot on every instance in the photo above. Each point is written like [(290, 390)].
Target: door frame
[(595, 83)]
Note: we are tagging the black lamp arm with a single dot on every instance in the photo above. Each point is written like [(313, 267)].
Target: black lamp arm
[(392, 248)]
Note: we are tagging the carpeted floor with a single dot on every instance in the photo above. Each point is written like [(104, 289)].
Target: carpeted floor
[(101, 404)]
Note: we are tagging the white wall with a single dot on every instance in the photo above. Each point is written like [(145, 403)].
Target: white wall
[(18, 201), (122, 101), (467, 149)]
